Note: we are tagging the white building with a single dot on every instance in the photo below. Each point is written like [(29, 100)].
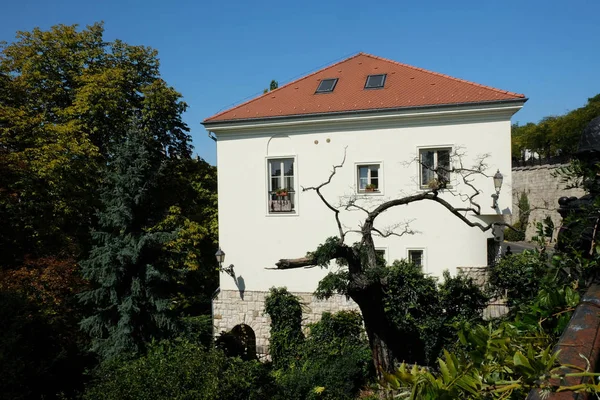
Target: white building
[(384, 116)]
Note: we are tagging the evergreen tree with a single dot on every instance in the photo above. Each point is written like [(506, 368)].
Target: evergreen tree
[(130, 269)]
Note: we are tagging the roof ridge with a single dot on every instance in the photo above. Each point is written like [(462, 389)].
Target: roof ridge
[(443, 75), (281, 87)]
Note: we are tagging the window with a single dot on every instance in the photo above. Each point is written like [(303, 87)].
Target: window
[(326, 85), (281, 195), (415, 257), (435, 168), (375, 81), (368, 178), (380, 253)]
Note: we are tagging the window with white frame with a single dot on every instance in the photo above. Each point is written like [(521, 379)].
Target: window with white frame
[(281, 193), (380, 253), (369, 178), (434, 167), (415, 256)]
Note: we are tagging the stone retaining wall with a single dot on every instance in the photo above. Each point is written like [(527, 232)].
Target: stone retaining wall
[(543, 191), (231, 309), (497, 307)]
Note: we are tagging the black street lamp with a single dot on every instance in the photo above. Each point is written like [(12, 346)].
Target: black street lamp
[(498, 178), (220, 255)]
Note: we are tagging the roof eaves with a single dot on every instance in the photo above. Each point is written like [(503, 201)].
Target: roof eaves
[(208, 123)]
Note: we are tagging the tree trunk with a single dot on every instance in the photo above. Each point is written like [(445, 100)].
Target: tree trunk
[(386, 341)]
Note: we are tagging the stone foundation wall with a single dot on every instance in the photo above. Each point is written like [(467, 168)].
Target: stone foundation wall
[(543, 191), (497, 307), (230, 308)]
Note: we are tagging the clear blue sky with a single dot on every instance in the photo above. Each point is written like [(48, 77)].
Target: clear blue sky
[(217, 53)]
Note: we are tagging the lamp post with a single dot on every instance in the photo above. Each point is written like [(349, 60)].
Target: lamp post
[(220, 255), (498, 178)]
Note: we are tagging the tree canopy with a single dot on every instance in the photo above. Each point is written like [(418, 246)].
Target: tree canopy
[(553, 135), (67, 99)]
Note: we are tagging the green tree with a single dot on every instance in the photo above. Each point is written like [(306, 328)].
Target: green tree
[(67, 97), (192, 188), (554, 135), (130, 270), (272, 86)]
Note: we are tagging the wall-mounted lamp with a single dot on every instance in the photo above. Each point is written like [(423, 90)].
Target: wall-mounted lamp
[(498, 178), (220, 255)]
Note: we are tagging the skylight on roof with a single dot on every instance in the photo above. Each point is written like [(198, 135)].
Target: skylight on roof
[(375, 81), (326, 85)]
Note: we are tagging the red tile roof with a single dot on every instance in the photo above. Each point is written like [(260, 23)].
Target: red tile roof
[(405, 86)]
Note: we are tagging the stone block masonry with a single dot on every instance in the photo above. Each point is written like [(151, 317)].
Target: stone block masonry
[(543, 190), (231, 308)]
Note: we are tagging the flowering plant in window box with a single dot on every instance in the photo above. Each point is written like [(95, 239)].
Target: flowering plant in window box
[(437, 183), (371, 188), (281, 192), (433, 184)]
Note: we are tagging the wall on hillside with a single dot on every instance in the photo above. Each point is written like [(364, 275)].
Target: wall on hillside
[(543, 191), (231, 308)]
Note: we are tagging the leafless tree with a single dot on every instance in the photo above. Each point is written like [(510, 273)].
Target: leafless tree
[(385, 341)]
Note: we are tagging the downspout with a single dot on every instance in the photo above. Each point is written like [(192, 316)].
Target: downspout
[(212, 136)]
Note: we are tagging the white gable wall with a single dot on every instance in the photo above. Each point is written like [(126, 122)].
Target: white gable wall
[(253, 240)]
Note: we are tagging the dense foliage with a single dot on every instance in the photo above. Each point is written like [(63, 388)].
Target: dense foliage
[(68, 98), (285, 311), (509, 357), (130, 271), (331, 362), (554, 135), (517, 232), (423, 310), (517, 277), (182, 370)]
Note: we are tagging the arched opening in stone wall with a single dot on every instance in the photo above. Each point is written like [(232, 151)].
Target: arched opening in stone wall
[(239, 342)]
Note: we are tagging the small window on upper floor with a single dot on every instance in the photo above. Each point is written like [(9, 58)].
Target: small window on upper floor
[(415, 256), (281, 193), (326, 85), (435, 168), (375, 81), (368, 178)]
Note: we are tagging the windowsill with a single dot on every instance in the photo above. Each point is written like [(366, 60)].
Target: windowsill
[(368, 193), (282, 214), (426, 188)]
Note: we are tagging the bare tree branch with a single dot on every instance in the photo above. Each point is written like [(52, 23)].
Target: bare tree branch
[(332, 208), (391, 231), (456, 168)]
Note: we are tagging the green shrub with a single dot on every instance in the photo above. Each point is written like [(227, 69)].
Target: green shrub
[(426, 312), (247, 380), (524, 208), (334, 362), (332, 377), (170, 370), (518, 277), (285, 312), (181, 370), (517, 235)]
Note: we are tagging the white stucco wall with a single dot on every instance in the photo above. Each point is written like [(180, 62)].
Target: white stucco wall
[(253, 240)]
